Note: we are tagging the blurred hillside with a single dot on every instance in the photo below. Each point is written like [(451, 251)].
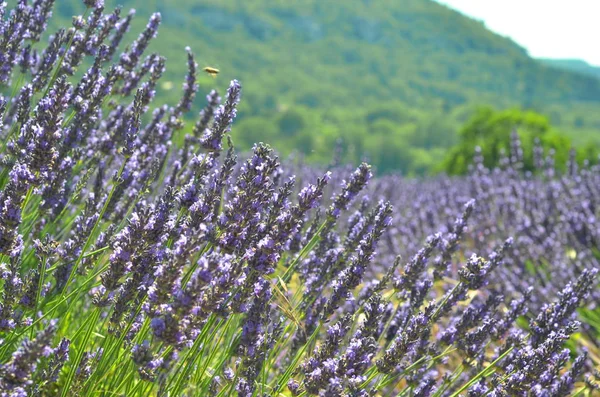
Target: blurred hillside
[(395, 79), (575, 65)]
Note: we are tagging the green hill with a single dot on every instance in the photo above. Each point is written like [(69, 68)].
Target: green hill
[(574, 65), (393, 78)]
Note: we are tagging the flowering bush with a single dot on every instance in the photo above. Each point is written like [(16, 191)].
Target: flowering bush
[(133, 267)]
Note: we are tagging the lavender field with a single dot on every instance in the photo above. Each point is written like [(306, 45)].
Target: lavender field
[(134, 266)]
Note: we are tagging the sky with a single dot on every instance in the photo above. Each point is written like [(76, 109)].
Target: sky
[(546, 28)]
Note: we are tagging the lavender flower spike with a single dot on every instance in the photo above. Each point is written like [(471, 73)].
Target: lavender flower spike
[(15, 376), (224, 116), (357, 182)]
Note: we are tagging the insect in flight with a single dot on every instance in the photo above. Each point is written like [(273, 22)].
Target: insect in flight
[(212, 71)]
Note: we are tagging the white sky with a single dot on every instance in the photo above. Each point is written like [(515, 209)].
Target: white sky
[(546, 28)]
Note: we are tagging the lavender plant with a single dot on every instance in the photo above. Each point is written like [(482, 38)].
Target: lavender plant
[(132, 266)]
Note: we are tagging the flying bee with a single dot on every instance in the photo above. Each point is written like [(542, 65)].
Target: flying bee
[(212, 71)]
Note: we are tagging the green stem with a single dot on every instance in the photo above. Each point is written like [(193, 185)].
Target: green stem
[(88, 333), (114, 348), (313, 241), (282, 382), (16, 85), (439, 307), (38, 294), (198, 345), (88, 241), (62, 57), (482, 373), (580, 391), (47, 313)]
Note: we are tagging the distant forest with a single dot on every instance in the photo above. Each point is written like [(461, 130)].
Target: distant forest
[(393, 82)]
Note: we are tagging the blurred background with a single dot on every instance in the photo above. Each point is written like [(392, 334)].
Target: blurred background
[(412, 86)]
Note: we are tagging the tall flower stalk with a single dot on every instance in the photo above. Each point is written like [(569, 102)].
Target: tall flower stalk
[(132, 265)]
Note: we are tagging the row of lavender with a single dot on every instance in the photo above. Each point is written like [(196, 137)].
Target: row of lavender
[(133, 267)]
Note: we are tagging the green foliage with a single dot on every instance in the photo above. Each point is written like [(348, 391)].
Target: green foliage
[(490, 130), (314, 72), (576, 65)]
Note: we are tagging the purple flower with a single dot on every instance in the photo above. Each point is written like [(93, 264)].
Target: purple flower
[(223, 117)]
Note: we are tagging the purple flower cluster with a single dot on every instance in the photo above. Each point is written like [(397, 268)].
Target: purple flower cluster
[(205, 274)]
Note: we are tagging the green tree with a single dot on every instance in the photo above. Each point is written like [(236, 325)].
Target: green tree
[(491, 130)]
